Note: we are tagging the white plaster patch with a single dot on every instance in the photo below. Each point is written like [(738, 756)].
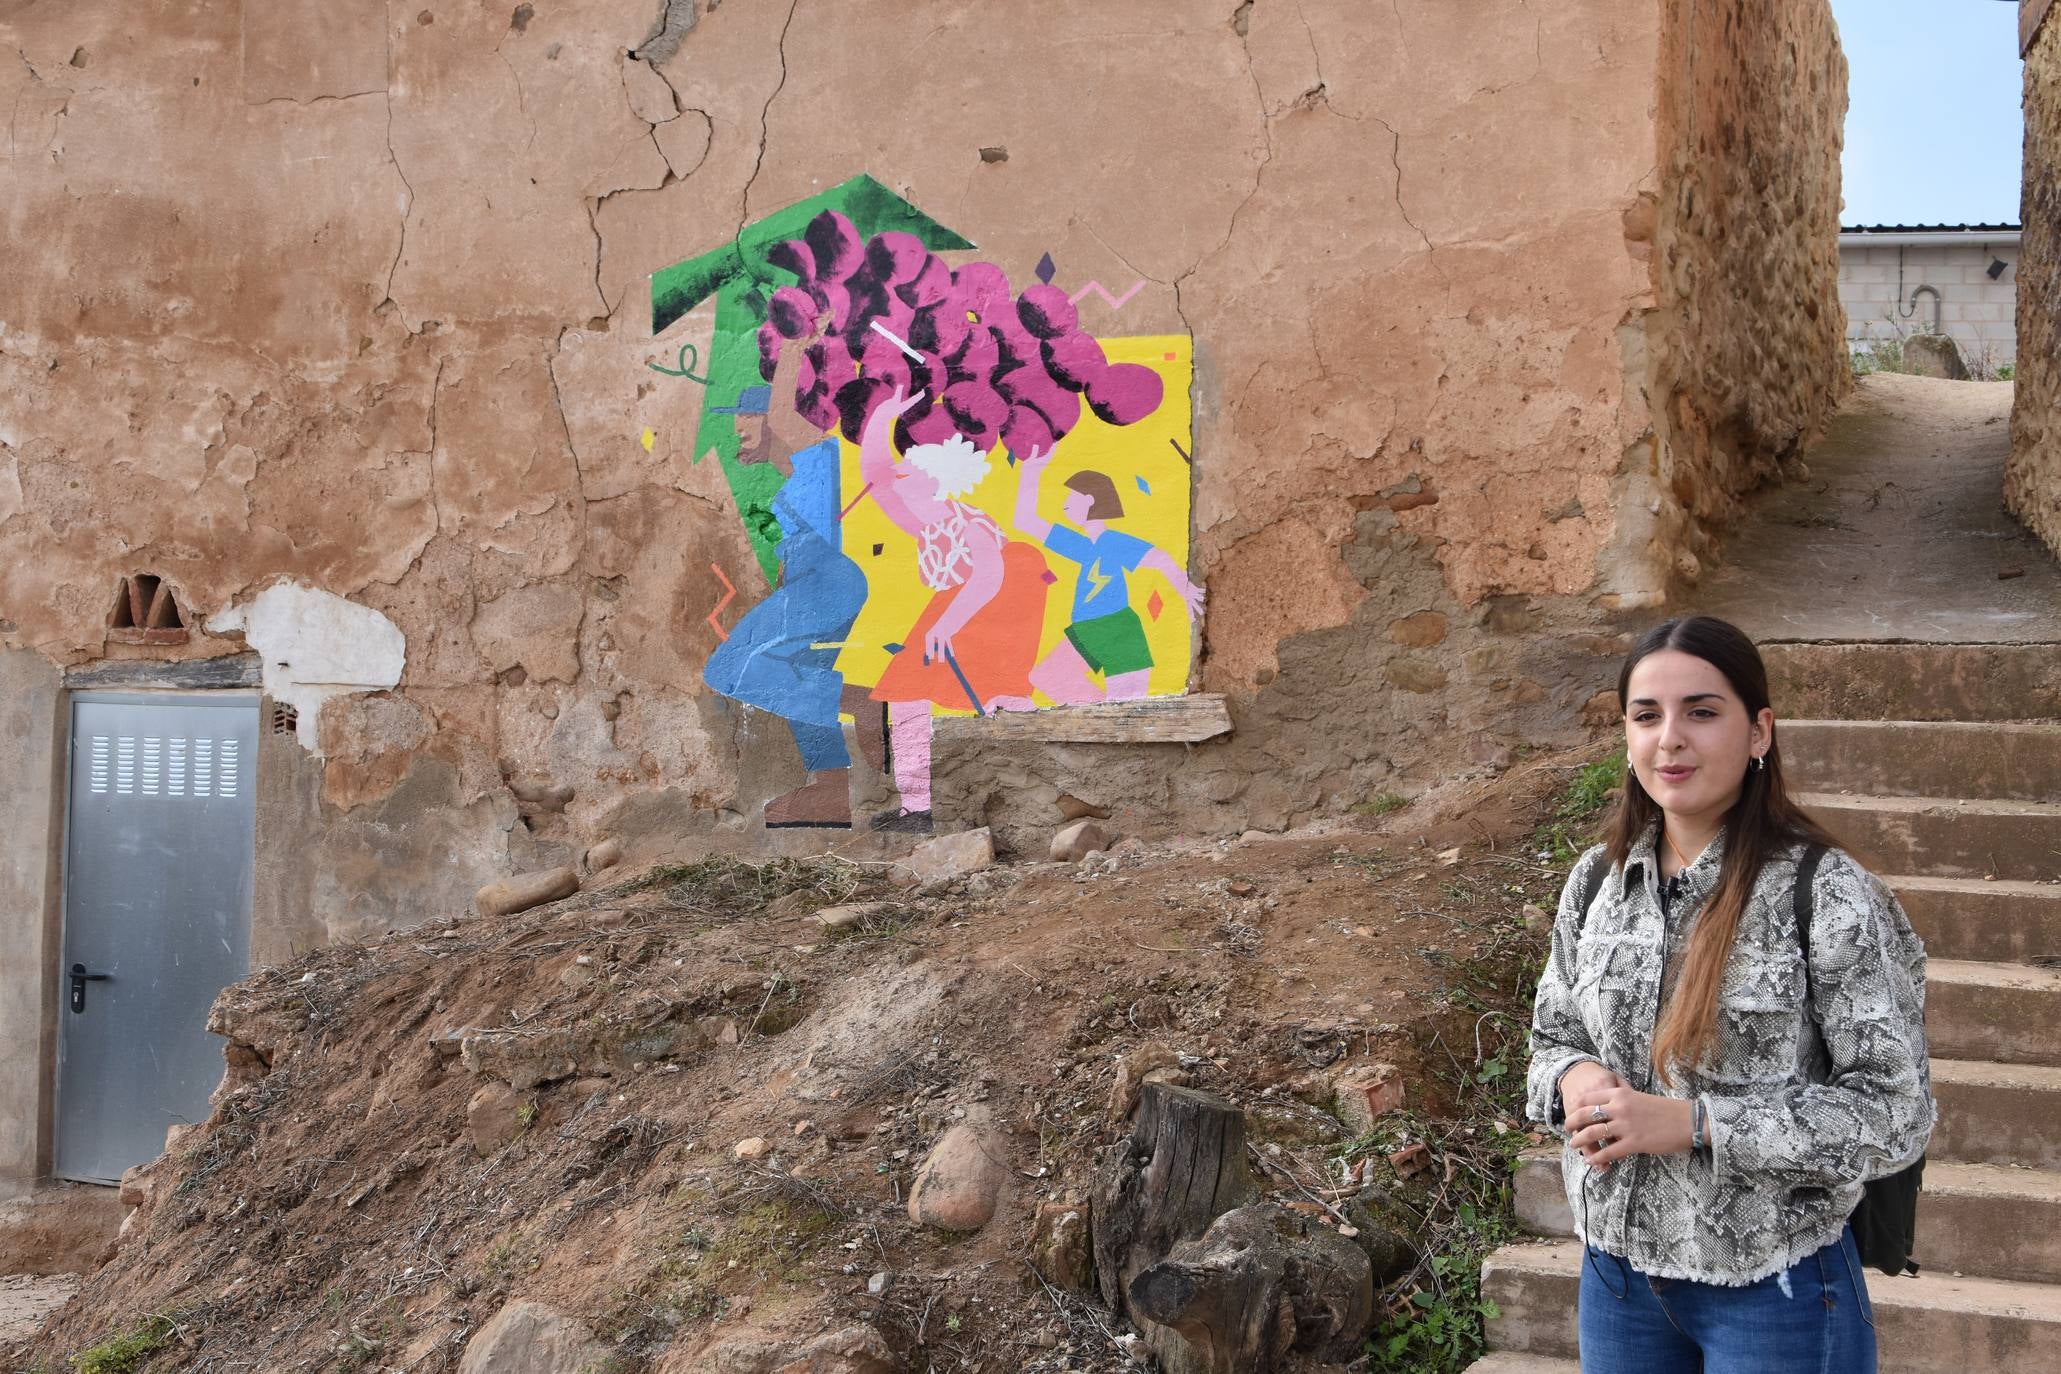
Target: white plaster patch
[(316, 645), (10, 483)]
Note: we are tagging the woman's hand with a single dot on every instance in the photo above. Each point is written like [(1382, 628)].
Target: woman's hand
[(1607, 1123)]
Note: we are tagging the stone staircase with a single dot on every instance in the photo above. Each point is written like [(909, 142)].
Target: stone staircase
[(1939, 766)]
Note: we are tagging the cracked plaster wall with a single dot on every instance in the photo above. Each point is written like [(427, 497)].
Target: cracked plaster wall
[(353, 294), (2032, 479)]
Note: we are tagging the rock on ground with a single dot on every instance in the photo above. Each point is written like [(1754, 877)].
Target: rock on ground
[(1061, 1246), (1150, 1062), (951, 856), (1935, 355), (850, 1350), (529, 1338), (1076, 841), (493, 1118), (1363, 1092), (526, 890), (959, 1185)]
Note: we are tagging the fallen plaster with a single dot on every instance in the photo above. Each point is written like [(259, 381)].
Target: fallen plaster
[(315, 646)]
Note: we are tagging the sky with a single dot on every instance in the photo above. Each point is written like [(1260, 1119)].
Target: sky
[(1933, 132)]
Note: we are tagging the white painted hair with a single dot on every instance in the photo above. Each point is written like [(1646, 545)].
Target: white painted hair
[(955, 465)]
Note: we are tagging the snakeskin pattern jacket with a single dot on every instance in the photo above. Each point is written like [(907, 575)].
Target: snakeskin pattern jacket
[(1816, 1082)]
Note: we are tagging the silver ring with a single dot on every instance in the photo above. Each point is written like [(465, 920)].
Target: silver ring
[(1598, 1113)]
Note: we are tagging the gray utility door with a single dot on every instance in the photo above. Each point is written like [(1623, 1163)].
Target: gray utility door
[(158, 854)]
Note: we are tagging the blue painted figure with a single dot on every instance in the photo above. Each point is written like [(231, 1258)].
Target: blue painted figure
[(782, 656)]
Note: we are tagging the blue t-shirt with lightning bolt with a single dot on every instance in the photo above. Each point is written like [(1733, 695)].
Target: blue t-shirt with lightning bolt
[(1105, 562)]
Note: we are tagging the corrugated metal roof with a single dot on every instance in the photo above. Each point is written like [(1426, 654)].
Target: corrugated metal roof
[(1930, 228)]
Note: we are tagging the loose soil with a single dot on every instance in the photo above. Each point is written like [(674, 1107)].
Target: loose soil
[(335, 1214)]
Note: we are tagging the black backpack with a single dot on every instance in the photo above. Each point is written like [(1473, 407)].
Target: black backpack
[(1885, 1225)]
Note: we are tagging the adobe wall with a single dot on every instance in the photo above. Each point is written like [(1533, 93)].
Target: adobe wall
[(339, 318), (1743, 355), (30, 832), (2032, 478)]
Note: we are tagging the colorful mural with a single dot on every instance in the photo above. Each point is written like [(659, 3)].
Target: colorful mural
[(966, 503)]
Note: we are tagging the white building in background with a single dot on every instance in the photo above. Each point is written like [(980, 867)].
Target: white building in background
[(1960, 279)]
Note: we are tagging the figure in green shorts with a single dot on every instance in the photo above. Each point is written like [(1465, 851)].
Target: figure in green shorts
[(1105, 635)]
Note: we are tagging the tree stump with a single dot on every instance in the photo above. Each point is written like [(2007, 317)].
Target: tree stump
[(1216, 1282), (1261, 1282), (1181, 1167)]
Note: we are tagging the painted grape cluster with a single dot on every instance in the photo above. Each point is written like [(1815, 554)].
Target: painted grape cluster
[(994, 366)]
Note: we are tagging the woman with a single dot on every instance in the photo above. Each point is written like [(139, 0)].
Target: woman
[(1724, 1095), (973, 646)]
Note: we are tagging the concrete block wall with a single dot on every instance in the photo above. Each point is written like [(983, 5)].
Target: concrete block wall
[(1977, 311)]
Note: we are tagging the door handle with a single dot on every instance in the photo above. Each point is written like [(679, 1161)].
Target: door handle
[(79, 980)]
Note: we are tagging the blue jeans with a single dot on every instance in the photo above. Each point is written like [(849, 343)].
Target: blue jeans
[(771, 660), (1813, 1319)]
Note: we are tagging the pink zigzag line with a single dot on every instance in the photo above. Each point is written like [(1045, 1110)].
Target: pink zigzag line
[(729, 593), (1115, 302)]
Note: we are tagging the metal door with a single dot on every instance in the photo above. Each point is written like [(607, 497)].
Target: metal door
[(158, 858)]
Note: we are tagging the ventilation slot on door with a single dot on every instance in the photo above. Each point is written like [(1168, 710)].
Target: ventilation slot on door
[(175, 768), (231, 774), (125, 766), (97, 768), (203, 768), (146, 612)]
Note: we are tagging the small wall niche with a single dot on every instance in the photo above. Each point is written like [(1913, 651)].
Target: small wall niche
[(146, 612)]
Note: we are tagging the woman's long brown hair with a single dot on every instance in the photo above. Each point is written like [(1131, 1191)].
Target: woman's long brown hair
[(1763, 822)]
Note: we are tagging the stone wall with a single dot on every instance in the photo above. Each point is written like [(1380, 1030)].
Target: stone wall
[(2032, 479), (337, 317), (1742, 359)]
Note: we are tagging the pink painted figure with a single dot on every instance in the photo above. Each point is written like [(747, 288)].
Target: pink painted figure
[(973, 645), (1104, 634)]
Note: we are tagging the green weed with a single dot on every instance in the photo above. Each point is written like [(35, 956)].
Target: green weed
[(1560, 840), (1381, 804), (126, 1352)]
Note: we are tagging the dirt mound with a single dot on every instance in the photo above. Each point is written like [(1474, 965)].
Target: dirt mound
[(681, 1118)]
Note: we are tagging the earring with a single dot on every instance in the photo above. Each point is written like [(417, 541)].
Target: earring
[(1760, 762)]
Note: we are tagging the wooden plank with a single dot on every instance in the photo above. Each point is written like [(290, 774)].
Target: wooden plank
[(1155, 720), (195, 674)]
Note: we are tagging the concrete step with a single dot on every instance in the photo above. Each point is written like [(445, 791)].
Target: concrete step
[(1521, 1362), (2008, 1013), (1932, 1324), (1997, 1114), (1985, 1219), (1974, 1218), (1915, 681), (1908, 758), (2012, 840), (1968, 918)]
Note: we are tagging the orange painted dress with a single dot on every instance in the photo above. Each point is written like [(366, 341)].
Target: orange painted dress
[(998, 647)]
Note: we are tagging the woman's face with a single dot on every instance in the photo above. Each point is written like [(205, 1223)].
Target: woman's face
[(1077, 505), (1688, 735)]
